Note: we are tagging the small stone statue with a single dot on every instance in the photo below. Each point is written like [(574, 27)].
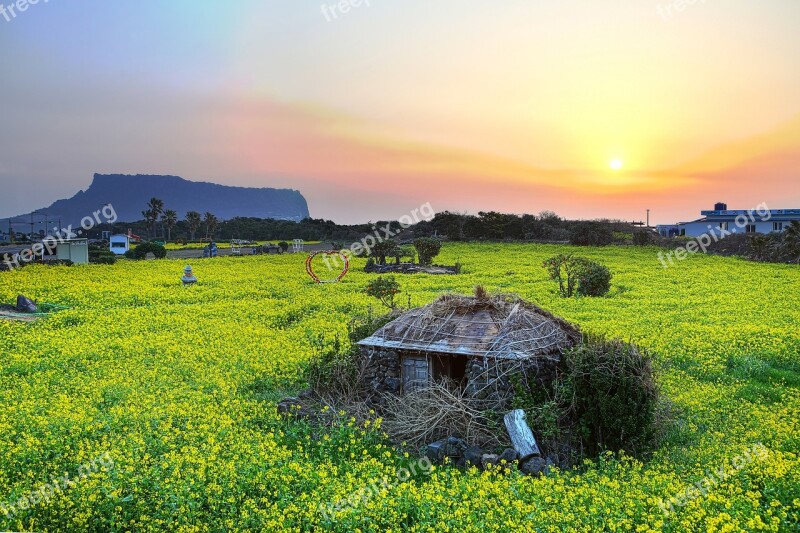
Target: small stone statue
[(188, 277)]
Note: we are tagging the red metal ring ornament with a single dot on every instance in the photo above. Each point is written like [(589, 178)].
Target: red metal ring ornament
[(315, 277)]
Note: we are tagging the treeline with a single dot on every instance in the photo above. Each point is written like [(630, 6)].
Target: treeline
[(546, 226), (491, 226)]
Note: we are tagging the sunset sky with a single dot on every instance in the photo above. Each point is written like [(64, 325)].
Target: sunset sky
[(508, 105)]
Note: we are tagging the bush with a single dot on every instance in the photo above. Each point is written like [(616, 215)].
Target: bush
[(594, 279), (642, 238), (614, 396), (427, 249), (587, 277), (141, 251), (591, 234), (284, 246), (102, 257), (385, 290)]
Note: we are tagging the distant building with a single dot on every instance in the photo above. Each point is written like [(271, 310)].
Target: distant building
[(724, 221), (119, 244), (75, 250)]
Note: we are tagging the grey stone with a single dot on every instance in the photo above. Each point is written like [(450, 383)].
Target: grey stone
[(473, 456), (508, 455), (436, 451), (533, 466), (26, 305), (489, 459), (455, 447), (289, 405)]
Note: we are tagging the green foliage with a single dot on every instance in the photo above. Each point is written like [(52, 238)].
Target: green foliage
[(380, 250), (594, 279), (141, 251), (385, 290), (100, 256), (427, 248), (591, 234), (578, 274), (642, 238), (613, 395), (284, 246)]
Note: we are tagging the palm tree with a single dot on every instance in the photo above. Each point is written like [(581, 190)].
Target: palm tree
[(211, 223), (154, 208), (791, 240), (169, 218), (193, 220)]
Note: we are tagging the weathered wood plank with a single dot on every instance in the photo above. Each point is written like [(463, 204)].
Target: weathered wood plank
[(521, 435)]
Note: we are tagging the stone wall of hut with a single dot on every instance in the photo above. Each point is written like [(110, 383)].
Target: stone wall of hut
[(382, 372)]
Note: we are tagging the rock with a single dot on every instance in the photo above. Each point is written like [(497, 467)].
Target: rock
[(473, 456), (26, 305), (392, 384), (489, 459), (534, 466), (436, 451), (455, 447), (508, 455), (289, 406)]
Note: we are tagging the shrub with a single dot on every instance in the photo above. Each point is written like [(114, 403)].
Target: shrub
[(427, 249), (642, 238), (385, 290), (613, 394), (102, 257), (587, 277), (594, 279), (383, 249), (591, 234), (284, 246), (141, 251)]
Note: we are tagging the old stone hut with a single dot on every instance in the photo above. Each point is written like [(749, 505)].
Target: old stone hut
[(479, 343)]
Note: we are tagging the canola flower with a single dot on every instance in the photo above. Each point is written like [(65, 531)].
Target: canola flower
[(179, 386)]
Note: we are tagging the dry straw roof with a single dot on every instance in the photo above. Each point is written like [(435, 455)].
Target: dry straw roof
[(500, 326)]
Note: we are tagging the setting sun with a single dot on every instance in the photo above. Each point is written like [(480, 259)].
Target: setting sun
[(615, 164)]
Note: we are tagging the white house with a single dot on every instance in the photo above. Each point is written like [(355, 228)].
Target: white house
[(119, 244), (724, 221)]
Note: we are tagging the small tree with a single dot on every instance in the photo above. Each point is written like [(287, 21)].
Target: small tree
[(193, 221), (427, 249), (382, 249), (385, 290), (578, 274)]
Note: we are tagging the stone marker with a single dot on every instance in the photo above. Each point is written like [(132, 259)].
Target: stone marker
[(26, 305), (521, 435)]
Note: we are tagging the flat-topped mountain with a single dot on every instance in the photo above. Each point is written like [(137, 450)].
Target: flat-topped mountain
[(129, 196)]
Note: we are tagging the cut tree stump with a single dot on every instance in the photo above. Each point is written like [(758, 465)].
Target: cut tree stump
[(521, 435)]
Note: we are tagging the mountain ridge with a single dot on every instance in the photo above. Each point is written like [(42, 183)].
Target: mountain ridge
[(129, 194)]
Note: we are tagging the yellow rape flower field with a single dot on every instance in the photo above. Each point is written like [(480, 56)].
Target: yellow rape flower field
[(154, 403)]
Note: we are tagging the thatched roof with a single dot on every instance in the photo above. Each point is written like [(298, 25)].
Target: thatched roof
[(501, 326)]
